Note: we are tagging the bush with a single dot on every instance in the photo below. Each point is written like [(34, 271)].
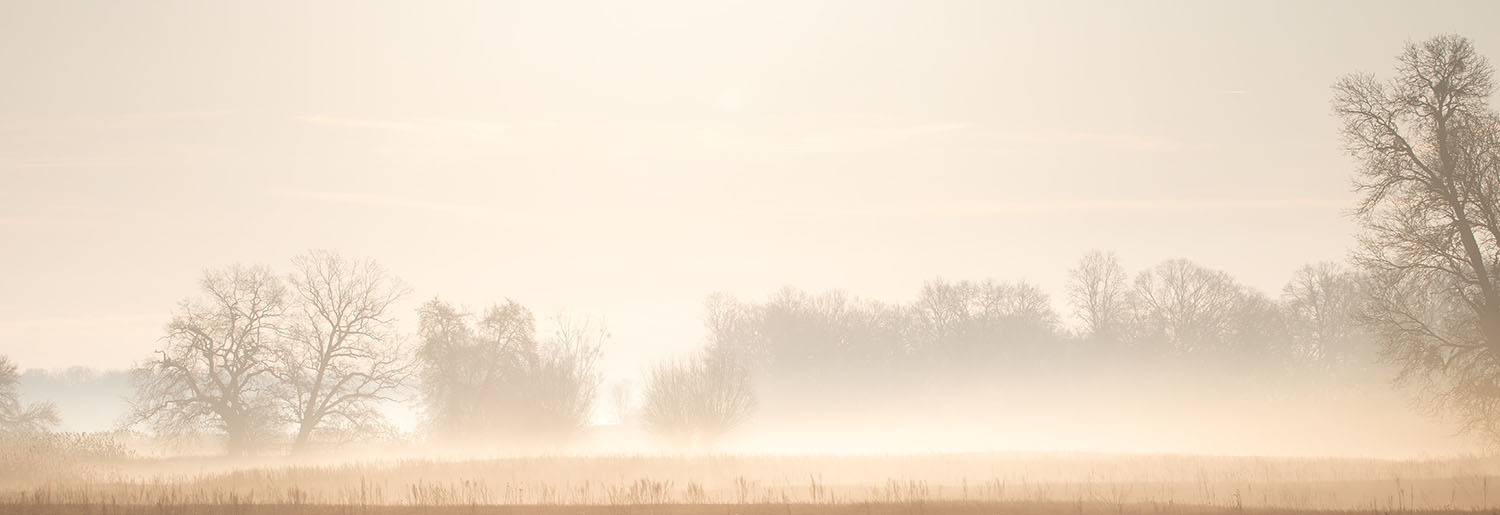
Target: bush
[(698, 400)]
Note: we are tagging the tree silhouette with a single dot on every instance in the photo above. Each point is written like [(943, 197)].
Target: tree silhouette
[(1099, 291), (17, 417), (698, 400), (492, 379), (1186, 307), (1428, 148), (215, 372), (342, 356)]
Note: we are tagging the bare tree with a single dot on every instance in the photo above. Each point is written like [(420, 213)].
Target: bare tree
[(796, 336), (342, 356), (969, 322), (1323, 303), (1428, 146), (17, 417), (1099, 291), (1188, 307), (505, 345), (698, 400), (1259, 336), (455, 370), (214, 372), (561, 382), (493, 378), (735, 328)]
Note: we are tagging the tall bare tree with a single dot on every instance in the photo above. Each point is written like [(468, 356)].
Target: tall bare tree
[(455, 370), (493, 378), (17, 417), (1099, 291), (215, 370), (1323, 303), (504, 348), (1186, 306), (1428, 147), (342, 356)]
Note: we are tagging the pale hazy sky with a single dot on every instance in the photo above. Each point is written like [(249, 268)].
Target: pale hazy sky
[(624, 160)]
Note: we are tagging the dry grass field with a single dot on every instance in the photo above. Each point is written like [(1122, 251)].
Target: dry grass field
[(966, 483), (932, 508)]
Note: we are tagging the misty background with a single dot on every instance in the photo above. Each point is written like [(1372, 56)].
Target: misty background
[(579, 158)]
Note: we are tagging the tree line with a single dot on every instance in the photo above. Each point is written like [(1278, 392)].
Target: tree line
[(314, 356), (834, 349), (1422, 296), (310, 358)]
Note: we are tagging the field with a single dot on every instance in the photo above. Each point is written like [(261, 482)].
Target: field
[(933, 508), (960, 483)]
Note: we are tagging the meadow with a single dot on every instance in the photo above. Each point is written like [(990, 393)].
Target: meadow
[(954, 483)]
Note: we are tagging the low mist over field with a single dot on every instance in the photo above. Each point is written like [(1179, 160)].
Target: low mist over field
[(719, 256)]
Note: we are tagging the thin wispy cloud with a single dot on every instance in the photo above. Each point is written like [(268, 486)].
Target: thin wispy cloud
[(1084, 206), (111, 122), (972, 135), (446, 137), (1119, 141), (859, 138), (59, 162), (944, 135), (359, 123), (410, 125), (184, 115), (380, 201), (72, 322)]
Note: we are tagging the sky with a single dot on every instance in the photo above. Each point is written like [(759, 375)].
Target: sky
[(624, 160)]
